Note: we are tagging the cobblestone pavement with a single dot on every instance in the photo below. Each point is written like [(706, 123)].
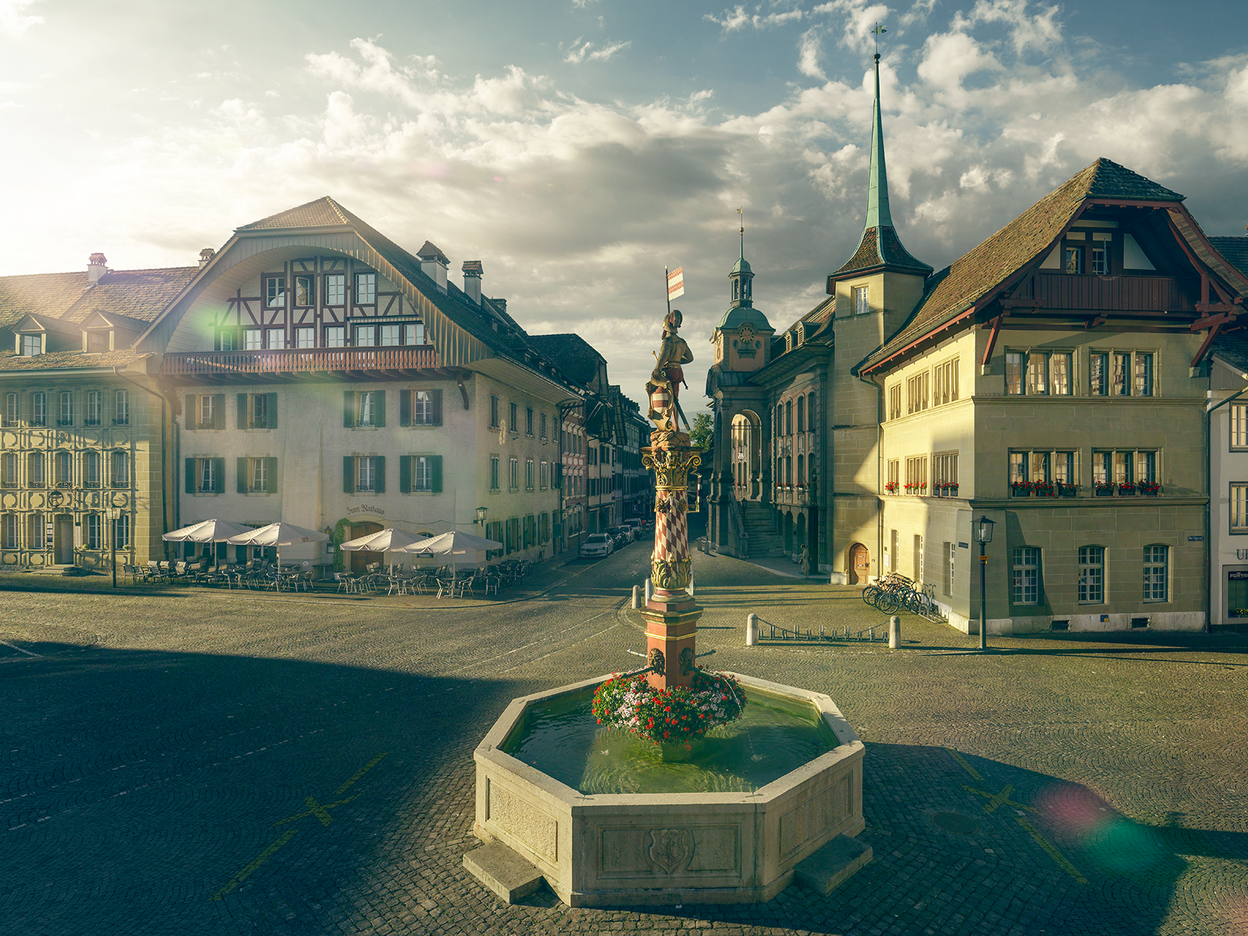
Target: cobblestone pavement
[(181, 761)]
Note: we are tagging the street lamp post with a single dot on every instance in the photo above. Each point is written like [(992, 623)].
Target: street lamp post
[(113, 513), (983, 536), (481, 518)]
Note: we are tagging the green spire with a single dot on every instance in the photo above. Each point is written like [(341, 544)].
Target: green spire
[(877, 194)]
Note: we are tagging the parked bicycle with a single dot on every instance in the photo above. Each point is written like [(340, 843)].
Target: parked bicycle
[(896, 591)]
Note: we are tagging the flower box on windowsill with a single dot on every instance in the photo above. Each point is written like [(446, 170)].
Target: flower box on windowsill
[(1044, 489), (1104, 490), (1022, 489), (1067, 490), (890, 487), (1150, 488), (1126, 490)]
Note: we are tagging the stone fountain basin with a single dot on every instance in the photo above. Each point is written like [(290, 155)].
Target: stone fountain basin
[(676, 848)]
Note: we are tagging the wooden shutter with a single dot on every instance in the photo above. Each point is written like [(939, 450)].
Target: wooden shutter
[(243, 421), (242, 473), (218, 473), (190, 474), (218, 411), (348, 473), (348, 413), (192, 411), (437, 407), (405, 470), (381, 408), (435, 472), (271, 410), (270, 472), (381, 474), (405, 408)]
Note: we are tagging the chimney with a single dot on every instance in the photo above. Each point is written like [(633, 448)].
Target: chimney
[(205, 255), (472, 280), (97, 266), (433, 263)]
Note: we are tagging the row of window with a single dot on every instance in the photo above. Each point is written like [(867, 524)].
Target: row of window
[(360, 473), (513, 418), (513, 474), (72, 407), (784, 471), (1121, 470), (33, 534), (520, 533), (86, 468), (805, 415), (302, 290), (1052, 373), (370, 335), (361, 408), (943, 481), (1026, 587)]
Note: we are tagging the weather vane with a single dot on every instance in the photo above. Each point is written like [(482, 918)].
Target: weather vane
[(880, 29), (741, 216)]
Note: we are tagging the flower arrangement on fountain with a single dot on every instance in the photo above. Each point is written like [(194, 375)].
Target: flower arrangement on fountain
[(673, 715)]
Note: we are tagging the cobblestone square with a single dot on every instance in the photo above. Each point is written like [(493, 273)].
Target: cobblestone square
[(226, 762)]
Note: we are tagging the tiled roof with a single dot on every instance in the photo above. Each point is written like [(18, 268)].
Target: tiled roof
[(324, 212), (46, 294), (982, 270), (572, 354), (135, 294), (59, 360), (1232, 348), (880, 247), (1234, 249), (430, 251)]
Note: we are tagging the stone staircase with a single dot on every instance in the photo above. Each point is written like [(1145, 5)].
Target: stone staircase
[(760, 527)]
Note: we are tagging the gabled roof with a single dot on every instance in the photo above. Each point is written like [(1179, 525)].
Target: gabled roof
[(1027, 239), (1233, 349), (139, 295), (323, 212), (1234, 250), (48, 294)]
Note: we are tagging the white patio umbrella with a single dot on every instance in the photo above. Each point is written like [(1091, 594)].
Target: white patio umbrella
[(388, 540), (278, 534), (206, 531), (452, 544)]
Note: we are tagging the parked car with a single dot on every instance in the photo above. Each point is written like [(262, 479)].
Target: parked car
[(621, 536), (636, 527), (597, 545)]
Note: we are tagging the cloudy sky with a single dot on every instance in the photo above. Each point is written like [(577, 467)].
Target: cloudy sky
[(578, 146)]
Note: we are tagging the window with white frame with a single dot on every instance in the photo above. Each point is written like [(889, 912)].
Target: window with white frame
[(494, 479), (1125, 471), (917, 392), (226, 339), (36, 532), (528, 474), (1092, 574), (10, 531), (121, 408), (1239, 508), (1129, 373), (205, 475), (91, 469), (121, 532), (368, 476), (916, 475), (1038, 373), (39, 408), (275, 292), (1045, 472), (365, 288), (94, 407), (32, 345), (1026, 575), (335, 336), (861, 298), (335, 289), (63, 466), (364, 408), (545, 475), (120, 468), (67, 409), (365, 336), (945, 474), (8, 469), (423, 475), (513, 476), (945, 378), (1156, 573), (1239, 426), (12, 410), (253, 339), (391, 335), (894, 401), (274, 339), (305, 291), (93, 531), (305, 337), (35, 475)]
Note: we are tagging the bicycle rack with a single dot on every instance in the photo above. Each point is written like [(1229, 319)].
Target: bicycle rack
[(776, 632)]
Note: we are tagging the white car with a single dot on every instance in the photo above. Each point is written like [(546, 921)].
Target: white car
[(597, 545)]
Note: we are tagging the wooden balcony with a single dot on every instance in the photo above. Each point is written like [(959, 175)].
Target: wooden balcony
[(298, 361), (1115, 293)]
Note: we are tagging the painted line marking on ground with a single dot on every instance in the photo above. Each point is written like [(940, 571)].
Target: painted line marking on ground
[(966, 766), (4, 643), (314, 809), (1052, 850), (996, 800)]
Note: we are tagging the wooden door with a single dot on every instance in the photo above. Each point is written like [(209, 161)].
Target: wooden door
[(360, 561), (859, 564)]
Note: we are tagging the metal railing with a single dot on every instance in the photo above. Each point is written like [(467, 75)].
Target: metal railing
[(299, 360)]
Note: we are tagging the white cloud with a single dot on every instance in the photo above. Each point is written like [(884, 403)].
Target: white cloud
[(13, 22), (1040, 32), (582, 50), (737, 18), (860, 16), (809, 49)]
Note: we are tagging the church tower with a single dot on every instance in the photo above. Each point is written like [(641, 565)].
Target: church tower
[(875, 291)]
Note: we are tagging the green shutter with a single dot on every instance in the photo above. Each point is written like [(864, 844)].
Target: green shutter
[(190, 475), (348, 413), (242, 473), (243, 421), (272, 409), (435, 472), (381, 408), (348, 473), (218, 474), (437, 407), (381, 474), (405, 472), (218, 411), (192, 411), (405, 407), (270, 468)]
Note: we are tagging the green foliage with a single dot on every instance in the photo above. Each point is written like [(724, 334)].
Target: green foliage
[(700, 431), (675, 714), (340, 537)]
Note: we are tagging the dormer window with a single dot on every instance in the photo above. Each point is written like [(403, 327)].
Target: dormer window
[(30, 345), (98, 340)]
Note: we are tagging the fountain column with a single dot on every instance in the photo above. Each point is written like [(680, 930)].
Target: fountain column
[(671, 615)]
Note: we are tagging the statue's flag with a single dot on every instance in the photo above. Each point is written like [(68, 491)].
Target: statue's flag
[(676, 283)]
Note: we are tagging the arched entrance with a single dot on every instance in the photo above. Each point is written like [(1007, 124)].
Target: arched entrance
[(360, 561), (746, 454), (859, 564)]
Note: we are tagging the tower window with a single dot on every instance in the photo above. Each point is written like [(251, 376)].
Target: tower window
[(861, 304)]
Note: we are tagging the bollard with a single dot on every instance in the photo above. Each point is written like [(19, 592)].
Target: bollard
[(751, 630), (636, 597), (894, 632), (649, 591), (690, 588)]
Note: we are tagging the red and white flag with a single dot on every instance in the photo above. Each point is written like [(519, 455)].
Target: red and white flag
[(676, 283)]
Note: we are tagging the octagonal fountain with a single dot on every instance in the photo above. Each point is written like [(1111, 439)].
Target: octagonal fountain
[(609, 819)]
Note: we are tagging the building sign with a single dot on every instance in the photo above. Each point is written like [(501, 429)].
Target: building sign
[(1237, 593), (366, 508), (1195, 539)]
